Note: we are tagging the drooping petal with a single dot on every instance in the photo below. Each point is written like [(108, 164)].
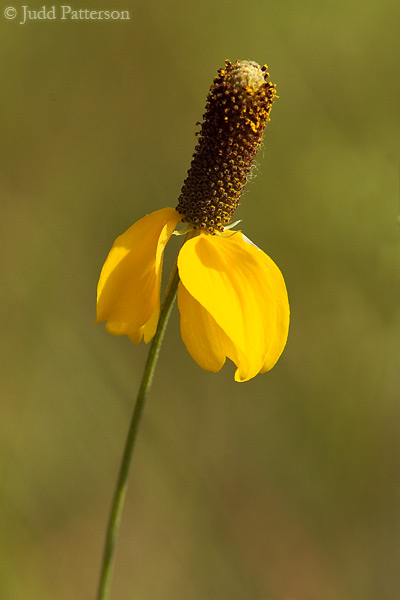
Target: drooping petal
[(282, 318), (237, 284), (282, 309), (128, 292), (203, 337)]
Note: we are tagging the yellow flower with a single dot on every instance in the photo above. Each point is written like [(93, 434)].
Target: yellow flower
[(231, 296)]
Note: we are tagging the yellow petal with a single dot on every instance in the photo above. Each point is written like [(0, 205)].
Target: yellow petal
[(128, 292), (282, 317), (282, 309), (204, 339), (236, 283)]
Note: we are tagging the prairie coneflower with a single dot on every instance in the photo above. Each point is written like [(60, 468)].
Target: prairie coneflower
[(231, 296)]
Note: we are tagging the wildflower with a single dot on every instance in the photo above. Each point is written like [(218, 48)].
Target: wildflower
[(231, 296)]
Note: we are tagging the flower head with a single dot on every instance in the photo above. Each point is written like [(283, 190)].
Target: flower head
[(231, 296), (237, 111)]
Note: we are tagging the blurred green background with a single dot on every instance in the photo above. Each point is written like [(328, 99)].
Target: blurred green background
[(282, 488)]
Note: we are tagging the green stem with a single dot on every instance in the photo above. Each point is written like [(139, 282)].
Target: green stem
[(121, 486)]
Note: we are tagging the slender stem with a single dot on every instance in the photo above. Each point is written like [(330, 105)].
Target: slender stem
[(121, 486)]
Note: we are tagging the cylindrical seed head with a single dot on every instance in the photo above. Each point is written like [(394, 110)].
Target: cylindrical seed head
[(237, 111)]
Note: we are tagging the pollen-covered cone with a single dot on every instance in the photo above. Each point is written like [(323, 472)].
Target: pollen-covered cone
[(128, 292), (233, 303)]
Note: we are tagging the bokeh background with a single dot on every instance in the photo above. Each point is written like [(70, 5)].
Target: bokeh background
[(282, 488)]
